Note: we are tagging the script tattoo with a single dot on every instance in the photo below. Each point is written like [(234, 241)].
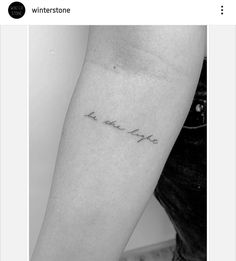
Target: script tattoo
[(133, 132)]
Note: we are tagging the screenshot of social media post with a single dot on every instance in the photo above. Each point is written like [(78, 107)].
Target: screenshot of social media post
[(117, 134)]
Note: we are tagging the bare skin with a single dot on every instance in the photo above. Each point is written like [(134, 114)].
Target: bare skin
[(131, 100)]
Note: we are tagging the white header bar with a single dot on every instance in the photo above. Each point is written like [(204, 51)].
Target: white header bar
[(59, 12)]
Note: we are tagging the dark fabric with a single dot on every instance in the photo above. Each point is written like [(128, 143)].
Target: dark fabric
[(181, 189)]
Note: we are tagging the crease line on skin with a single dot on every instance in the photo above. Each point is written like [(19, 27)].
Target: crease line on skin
[(157, 57), (153, 59), (159, 75)]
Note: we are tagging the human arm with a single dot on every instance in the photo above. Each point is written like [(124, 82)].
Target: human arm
[(143, 78)]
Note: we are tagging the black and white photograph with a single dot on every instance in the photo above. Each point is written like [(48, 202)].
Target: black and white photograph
[(118, 143), (117, 130)]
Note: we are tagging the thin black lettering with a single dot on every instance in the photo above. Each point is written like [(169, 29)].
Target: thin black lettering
[(91, 115), (141, 137)]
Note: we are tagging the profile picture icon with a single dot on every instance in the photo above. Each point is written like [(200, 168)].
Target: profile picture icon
[(16, 10)]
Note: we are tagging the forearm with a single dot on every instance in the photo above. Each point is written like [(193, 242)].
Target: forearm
[(120, 127)]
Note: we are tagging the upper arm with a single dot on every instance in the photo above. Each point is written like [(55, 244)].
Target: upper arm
[(150, 50), (128, 107)]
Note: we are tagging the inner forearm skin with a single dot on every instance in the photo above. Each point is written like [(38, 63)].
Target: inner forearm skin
[(120, 127)]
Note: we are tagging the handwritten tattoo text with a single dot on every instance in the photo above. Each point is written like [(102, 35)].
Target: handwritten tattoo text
[(133, 132)]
